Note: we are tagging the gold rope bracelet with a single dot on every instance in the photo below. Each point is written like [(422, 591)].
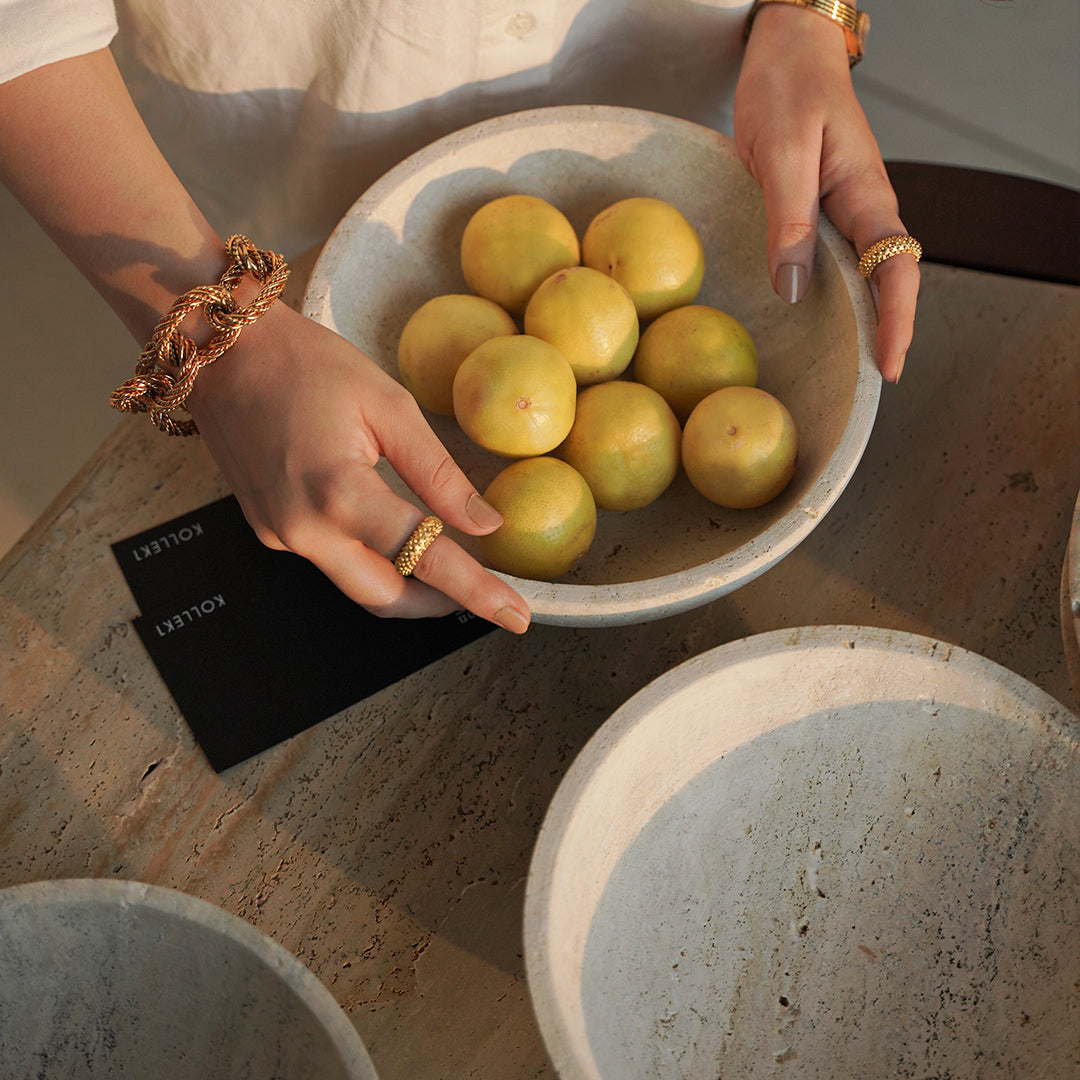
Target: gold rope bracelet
[(166, 369)]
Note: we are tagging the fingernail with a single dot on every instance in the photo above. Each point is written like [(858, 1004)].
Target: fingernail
[(511, 619), (483, 513), (791, 281), (900, 367)]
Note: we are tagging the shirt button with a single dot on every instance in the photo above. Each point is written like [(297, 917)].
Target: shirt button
[(520, 24)]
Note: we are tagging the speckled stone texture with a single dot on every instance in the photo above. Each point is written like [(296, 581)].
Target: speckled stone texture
[(388, 847), (118, 979), (830, 853)]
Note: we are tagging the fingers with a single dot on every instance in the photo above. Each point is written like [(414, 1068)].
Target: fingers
[(789, 184), (793, 64), (451, 569), (422, 461), (864, 209), (897, 286), (357, 534), (803, 136), (445, 579), (369, 578)]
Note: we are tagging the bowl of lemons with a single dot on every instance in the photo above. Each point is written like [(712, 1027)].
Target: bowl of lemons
[(579, 299)]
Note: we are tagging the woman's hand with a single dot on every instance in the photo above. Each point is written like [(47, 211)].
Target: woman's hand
[(802, 135), (297, 419), (295, 416)]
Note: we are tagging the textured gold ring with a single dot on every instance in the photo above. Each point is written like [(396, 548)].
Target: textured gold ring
[(877, 253), (420, 539)]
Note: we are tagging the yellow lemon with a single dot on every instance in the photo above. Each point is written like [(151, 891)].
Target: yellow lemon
[(649, 248), (740, 447), (515, 396), (688, 353), (549, 519), (511, 244), (625, 442), (437, 337), (589, 317)]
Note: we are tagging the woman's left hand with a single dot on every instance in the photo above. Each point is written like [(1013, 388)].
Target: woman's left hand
[(802, 135)]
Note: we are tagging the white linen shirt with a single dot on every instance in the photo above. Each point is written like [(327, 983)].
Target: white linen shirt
[(277, 115)]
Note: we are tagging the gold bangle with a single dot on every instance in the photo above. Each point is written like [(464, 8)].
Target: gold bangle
[(855, 23), (420, 539), (155, 389), (877, 253)]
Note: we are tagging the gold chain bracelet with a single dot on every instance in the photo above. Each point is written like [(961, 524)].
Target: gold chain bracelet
[(155, 389)]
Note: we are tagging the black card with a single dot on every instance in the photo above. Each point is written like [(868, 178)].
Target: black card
[(257, 645)]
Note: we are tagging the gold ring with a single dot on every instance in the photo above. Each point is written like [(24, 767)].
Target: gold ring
[(877, 253), (420, 539)]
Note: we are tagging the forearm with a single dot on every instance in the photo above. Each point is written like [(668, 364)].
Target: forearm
[(75, 153)]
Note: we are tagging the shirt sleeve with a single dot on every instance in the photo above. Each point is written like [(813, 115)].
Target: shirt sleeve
[(37, 32)]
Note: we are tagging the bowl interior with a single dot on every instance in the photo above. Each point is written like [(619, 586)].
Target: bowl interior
[(116, 978), (399, 246), (840, 848)]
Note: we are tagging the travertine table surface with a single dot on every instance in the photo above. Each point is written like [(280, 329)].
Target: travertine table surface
[(388, 847)]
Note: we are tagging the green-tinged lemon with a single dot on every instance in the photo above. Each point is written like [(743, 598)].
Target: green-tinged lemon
[(549, 519), (625, 442), (437, 337), (740, 447)]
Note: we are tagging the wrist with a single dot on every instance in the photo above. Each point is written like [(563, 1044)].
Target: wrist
[(813, 23), (249, 361), (166, 372)]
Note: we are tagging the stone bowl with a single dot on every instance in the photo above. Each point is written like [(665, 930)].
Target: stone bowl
[(1070, 599), (399, 246), (121, 979), (837, 852)]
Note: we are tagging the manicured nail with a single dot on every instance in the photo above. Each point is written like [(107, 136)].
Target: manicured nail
[(900, 367), (483, 513), (511, 619), (791, 281)]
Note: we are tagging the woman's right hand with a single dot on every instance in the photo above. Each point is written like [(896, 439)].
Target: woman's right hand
[(295, 416), (298, 418)]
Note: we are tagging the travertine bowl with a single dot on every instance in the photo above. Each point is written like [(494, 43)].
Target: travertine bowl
[(121, 979), (835, 853), (1070, 599), (399, 246)]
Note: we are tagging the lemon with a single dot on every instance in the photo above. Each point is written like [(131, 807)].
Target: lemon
[(589, 317), (688, 353), (740, 447), (437, 337), (515, 395), (549, 519), (649, 248), (625, 442), (511, 244)]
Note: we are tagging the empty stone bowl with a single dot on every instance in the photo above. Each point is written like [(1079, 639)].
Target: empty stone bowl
[(120, 979), (835, 854), (399, 246)]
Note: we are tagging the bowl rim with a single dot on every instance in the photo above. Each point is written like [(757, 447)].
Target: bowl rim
[(572, 604), (561, 1025), (1070, 598), (118, 894)]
